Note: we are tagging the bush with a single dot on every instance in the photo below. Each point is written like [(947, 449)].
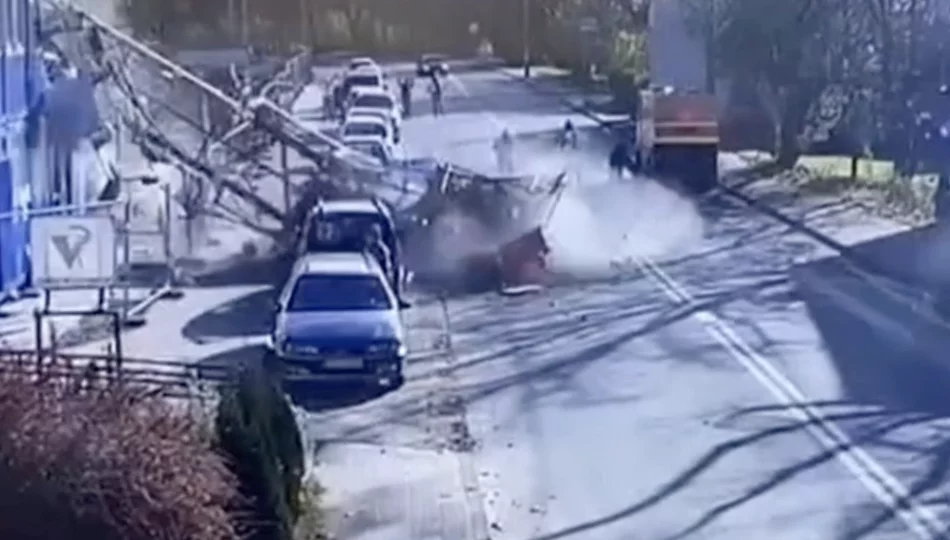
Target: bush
[(105, 464), (258, 432), (311, 524)]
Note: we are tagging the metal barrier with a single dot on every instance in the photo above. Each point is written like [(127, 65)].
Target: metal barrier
[(146, 376), (84, 261)]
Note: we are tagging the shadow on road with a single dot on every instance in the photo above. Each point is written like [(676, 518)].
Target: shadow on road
[(324, 396), (242, 271), (311, 395), (248, 315), (857, 527), (888, 345)]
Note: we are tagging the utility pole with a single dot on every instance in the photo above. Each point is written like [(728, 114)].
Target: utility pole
[(285, 178), (232, 20), (526, 38), (245, 25), (304, 24)]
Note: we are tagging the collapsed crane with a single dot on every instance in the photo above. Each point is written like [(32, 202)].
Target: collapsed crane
[(516, 237)]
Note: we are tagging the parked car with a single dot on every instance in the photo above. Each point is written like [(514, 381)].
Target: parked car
[(357, 125), (377, 99), (432, 64), (361, 62), (341, 225), (337, 317), (370, 150), (379, 114), (363, 78)]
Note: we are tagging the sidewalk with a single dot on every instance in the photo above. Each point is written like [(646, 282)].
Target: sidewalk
[(599, 105)]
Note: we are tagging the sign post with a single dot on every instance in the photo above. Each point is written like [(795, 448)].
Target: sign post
[(73, 252), (70, 252)]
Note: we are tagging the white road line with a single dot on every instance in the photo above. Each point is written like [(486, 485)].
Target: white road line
[(883, 485), (921, 520), (875, 478)]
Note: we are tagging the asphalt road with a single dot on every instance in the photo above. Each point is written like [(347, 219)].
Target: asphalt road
[(708, 379), (712, 374)]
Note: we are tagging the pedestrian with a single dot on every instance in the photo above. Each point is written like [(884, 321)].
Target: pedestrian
[(338, 98), (405, 90), (504, 152), (435, 89), (619, 159), (377, 248), (568, 135)]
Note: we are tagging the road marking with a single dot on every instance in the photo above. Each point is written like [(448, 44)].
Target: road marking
[(921, 520), (873, 476)]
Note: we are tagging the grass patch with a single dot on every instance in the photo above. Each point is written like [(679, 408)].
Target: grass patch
[(877, 186)]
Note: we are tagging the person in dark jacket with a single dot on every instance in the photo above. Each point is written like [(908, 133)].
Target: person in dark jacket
[(619, 158), (338, 98), (376, 247), (405, 91), (568, 135), (435, 89)]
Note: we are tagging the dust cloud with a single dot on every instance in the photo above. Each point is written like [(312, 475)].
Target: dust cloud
[(594, 228), (598, 224), (601, 222)]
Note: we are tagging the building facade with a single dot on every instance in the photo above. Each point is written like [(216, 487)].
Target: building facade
[(21, 86)]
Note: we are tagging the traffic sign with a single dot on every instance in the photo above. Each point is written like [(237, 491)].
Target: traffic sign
[(72, 252)]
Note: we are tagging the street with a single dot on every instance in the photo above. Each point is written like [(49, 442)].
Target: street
[(697, 394), (711, 373)]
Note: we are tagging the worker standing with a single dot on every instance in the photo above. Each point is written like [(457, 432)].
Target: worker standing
[(435, 90), (387, 260), (619, 159), (504, 152), (405, 90), (568, 135), (339, 99)]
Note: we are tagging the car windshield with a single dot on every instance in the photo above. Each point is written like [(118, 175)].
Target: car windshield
[(338, 293), (364, 128), (362, 80), (373, 102)]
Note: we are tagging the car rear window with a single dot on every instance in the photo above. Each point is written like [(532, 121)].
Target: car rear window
[(375, 113), (343, 232), (373, 102), (362, 80), (338, 293), (364, 128)]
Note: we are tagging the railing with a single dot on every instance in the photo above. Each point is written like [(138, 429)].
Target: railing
[(148, 376)]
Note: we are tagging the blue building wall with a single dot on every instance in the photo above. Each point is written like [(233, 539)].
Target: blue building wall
[(21, 81)]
